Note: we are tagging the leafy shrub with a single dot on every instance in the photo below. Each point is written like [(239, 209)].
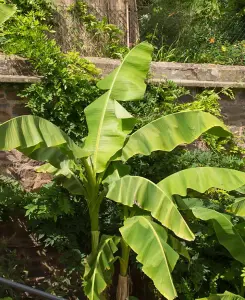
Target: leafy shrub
[(29, 5), (199, 158), (12, 267), (159, 100), (195, 31), (68, 83), (211, 51)]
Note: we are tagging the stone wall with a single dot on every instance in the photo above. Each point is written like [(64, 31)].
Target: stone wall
[(188, 75), (16, 73)]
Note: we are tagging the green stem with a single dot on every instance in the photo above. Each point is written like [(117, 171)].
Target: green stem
[(125, 258), (95, 241), (242, 291), (91, 176), (94, 207), (93, 201)]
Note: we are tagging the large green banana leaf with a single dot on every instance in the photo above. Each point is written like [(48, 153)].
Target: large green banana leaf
[(168, 132), (238, 207), (99, 268), (201, 179), (127, 82), (149, 241), (6, 11), (108, 122), (226, 233), (134, 190), (225, 296), (38, 139)]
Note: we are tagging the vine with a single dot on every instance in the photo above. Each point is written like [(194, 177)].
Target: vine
[(108, 36)]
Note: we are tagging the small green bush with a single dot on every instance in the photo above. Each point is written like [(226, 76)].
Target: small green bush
[(69, 82)]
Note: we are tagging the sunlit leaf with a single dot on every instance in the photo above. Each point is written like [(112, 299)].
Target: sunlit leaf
[(202, 179), (108, 122), (169, 131), (149, 241), (134, 190), (39, 139)]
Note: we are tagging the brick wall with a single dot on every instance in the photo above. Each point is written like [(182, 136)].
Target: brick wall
[(11, 105)]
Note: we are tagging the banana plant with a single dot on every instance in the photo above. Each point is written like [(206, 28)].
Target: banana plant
[(97, 169), (6, 11)]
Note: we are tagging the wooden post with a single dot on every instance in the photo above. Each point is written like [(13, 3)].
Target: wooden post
[(123, 13), (127, 25), (134, 23)]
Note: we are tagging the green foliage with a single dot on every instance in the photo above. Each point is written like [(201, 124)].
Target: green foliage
[(12, 267), (199, 158), (99, 268), (195, 31), (213, 269), (30, 5), (225, 296), (222, 53), (165, 99), (11, 192), (159, 100), (42, 208), (168, 98), (61, 220), (107, 109), (213, 51), (69, 82), (153, 251), (139, 144)]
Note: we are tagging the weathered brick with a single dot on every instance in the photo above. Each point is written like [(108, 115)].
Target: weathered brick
[(19, 110), (4, 116), (12, 95)]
